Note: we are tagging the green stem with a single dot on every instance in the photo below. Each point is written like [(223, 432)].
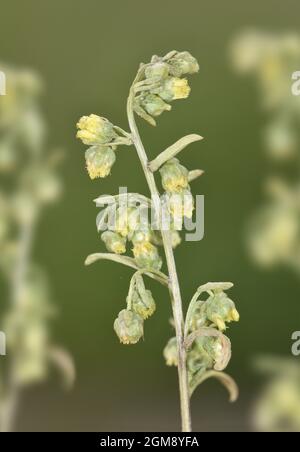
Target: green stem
[(174, 284)]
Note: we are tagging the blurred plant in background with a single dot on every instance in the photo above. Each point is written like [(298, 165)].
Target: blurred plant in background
[(278, 407), (29, 183), (274, 232), (200, 349)]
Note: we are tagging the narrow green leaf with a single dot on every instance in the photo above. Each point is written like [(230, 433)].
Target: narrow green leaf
[(227, 381), (173, 150), (129, 262)]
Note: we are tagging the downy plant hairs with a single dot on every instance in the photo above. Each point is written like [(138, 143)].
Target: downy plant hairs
[(29, 183), (199, 348)]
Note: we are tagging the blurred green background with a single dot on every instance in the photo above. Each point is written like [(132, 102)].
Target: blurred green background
[(88, 53)]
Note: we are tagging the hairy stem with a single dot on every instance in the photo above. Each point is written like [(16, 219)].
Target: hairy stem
[(174, 284)]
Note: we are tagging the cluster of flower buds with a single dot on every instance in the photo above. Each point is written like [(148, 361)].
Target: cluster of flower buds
[(177, 197), (129, 223), (129, 325), (217, 310), (206, 351), (163, 82), (204, 354), (103, 138)]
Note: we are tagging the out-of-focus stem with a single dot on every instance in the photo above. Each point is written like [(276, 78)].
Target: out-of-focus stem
[(10, 404)]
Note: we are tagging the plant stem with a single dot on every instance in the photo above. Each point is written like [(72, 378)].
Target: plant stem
[(173, 278)]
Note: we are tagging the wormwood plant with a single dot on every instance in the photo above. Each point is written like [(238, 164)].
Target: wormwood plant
[(29, 183), (199, 348), (271, 59)]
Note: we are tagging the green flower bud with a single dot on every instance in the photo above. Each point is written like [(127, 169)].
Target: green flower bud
[(170, 352), (154, 105), (114, 242), (121, 221), (143, 304), (94, 130), (174, 176), (180, 205), (99, 161), (183, 63), (206, 351), (198, 361), (129, 221), (173, 88), (142, 236), (220, 309), (129, 327), (146, 256), (158, 71)]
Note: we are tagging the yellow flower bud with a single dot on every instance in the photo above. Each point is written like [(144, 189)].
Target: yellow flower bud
[(234, 315), (173, 88), (129, 327), (146, 255), (114, 242), (99, 161), (174, 176), (219, 322), (128, 222), (143, 304), (94, 130), (180, 205), (220, 309)]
